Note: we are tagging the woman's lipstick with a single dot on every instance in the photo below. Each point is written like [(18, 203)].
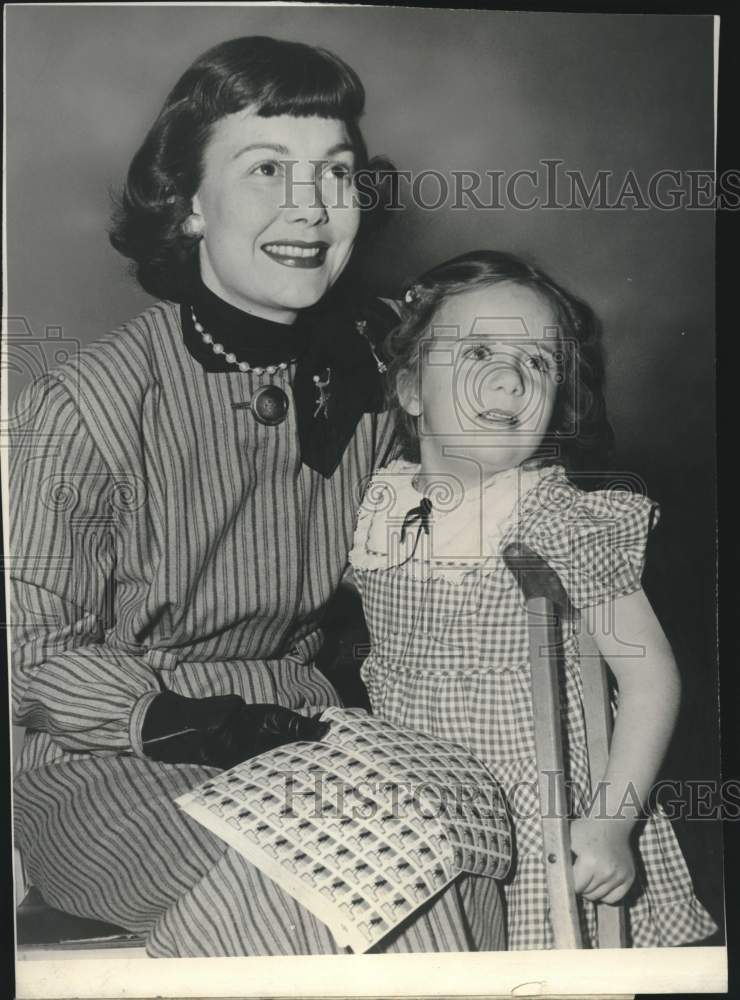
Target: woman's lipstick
[(296, 253)]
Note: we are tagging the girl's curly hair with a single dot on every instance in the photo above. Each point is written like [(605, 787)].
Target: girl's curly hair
[(271, 77), (579, 425)]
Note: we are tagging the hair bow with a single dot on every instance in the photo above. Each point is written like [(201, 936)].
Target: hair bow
[(413, 294)]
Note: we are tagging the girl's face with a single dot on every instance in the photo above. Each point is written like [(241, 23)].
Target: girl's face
[(487, 378), (276, 210)]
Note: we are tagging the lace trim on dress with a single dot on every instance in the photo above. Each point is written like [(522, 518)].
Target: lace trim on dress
[(456, 512)]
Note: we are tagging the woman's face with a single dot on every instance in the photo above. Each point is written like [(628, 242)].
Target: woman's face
[(277, 211)]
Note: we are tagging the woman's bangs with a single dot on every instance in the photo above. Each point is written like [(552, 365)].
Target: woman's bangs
[(314, 88)]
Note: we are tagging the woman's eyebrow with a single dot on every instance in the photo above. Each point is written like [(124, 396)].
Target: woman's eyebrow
[(272, 146), (340, 147)]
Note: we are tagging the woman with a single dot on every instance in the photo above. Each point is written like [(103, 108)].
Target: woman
[(184, 498)]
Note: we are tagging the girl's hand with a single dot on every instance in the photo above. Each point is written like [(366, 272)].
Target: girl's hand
[(604, 868)]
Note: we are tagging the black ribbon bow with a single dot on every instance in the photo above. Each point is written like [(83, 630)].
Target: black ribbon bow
[(422, 514)]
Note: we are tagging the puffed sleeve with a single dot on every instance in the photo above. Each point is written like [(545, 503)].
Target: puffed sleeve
[(65, 680), (595, 541)]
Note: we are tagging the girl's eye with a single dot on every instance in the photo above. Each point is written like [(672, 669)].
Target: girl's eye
[(479, 352), (539, 363)]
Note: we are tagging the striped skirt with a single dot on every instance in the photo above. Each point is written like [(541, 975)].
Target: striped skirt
[(101, 837)]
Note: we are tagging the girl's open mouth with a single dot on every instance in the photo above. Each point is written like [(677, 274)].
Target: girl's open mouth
[(297, 254), (499, 417)]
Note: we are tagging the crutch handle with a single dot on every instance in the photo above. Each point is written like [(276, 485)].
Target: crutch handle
[(534, 576)]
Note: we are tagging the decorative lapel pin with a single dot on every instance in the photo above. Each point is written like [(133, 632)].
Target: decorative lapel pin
[(322, 400)]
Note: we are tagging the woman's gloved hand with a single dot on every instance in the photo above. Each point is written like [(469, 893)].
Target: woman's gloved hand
[(220, 731)]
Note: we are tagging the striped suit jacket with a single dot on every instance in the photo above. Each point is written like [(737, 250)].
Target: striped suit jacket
[(162, 537)]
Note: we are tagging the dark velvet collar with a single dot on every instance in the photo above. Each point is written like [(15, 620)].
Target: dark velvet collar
[(251, 338), (336, 336)]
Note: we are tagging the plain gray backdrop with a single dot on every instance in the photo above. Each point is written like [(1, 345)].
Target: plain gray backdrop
[(446, 91)]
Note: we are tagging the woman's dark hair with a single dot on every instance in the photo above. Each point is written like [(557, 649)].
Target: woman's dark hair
[(579, 423), (269, 76)]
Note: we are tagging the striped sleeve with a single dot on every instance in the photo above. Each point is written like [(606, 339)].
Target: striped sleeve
[(65, 680)]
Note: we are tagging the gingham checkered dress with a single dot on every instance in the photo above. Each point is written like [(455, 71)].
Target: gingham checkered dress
[(449, 655)]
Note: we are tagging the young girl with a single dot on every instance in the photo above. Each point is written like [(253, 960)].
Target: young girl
[(496, 382)]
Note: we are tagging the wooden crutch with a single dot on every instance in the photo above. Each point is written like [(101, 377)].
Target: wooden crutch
[(546, 603)]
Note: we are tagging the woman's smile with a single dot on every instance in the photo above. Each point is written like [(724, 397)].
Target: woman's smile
[(297, 253)]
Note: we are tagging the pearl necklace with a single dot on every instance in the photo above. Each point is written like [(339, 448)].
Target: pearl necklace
[(269, 404), (243, 366)]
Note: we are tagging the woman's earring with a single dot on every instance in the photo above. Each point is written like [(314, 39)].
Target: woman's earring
[(193, 226)]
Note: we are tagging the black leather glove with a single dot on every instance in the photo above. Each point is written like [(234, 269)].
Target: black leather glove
[(220, 731)]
